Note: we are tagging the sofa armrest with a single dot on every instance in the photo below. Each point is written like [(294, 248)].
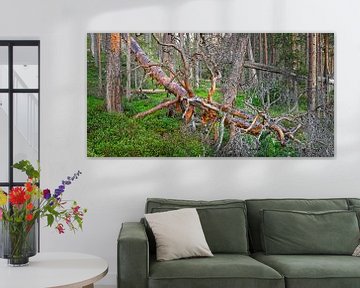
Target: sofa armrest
[(133, 256)]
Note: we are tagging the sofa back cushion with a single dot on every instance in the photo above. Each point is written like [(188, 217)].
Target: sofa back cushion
[(353, 201), (223, 222), (298, 232), (255, 206), (354, 205)]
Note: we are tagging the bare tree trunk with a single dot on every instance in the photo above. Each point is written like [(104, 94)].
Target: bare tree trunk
[(266, 56), (261, 60), (148, 39), (92, 44), (273, 50), (307, 51), (182, 40), (326, 68), (312, 74), (268, 100), (136, 86), (295, 67), (251, 59), (98, 52), (197, 62), (95, 52), (113, 83), (232, 82), (319, 67), (128, 68), (167, 55)]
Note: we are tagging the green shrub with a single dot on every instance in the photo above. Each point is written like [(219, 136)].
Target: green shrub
[(120, 135), (270, 146)]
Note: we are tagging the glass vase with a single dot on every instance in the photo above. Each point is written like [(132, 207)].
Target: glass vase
[(18, 242)]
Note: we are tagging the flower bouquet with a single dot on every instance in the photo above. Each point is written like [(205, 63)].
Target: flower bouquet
[(21, 208)]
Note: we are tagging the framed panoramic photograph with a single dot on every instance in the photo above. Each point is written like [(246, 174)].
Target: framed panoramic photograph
[(210, 94)]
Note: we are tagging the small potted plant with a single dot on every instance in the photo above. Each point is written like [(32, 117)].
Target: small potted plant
[(21, 208)]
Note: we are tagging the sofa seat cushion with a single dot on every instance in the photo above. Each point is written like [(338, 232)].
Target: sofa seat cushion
[(222, 270), (313, 271)]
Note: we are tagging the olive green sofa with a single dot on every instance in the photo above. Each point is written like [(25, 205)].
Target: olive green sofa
[(234, 232)]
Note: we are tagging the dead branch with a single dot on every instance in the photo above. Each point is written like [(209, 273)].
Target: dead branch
[(221, 132), (186, 81), (156, 108)]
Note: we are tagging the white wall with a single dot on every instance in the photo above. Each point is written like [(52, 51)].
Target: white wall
[(114, 190)]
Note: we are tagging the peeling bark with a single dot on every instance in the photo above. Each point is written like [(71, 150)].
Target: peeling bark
[(233, 80), (113, 89)]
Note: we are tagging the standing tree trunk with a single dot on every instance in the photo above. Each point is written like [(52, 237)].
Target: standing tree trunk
[(113, 83), (197, 74), (136, 86), (128, 67), (266, 55), (148, 39), (261, 60), (326, 68), (312, 74), (319, 67), (254, 78), (295, 67), (196, 62), (98, 52), (273, 50), (232, 83), (167, 55), (92, 44)]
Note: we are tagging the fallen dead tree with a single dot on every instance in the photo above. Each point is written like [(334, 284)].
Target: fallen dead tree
[(210, 111), (148, 91), (277, 70)]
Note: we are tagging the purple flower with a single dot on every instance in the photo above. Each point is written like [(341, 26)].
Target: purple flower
[(68, 181), (58, 192), (46, 194)]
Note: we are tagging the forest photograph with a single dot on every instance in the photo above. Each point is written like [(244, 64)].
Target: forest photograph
[(210, 94)]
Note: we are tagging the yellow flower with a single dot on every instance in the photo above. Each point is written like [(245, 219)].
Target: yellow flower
[(3, 198)]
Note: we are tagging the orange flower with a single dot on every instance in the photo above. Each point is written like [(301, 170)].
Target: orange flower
[(27, 196), (29, 217), (29, 186), (29, 206)]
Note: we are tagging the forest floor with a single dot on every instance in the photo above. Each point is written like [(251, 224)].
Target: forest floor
[(158, 135)]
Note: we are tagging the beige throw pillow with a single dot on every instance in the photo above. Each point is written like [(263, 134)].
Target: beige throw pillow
[(357, 251), (178, 234)]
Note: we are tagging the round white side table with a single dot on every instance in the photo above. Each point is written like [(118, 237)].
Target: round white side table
[(50, 270)]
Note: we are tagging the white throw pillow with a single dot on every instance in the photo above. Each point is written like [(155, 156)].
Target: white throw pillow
[(357, 251), (178, 234)]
